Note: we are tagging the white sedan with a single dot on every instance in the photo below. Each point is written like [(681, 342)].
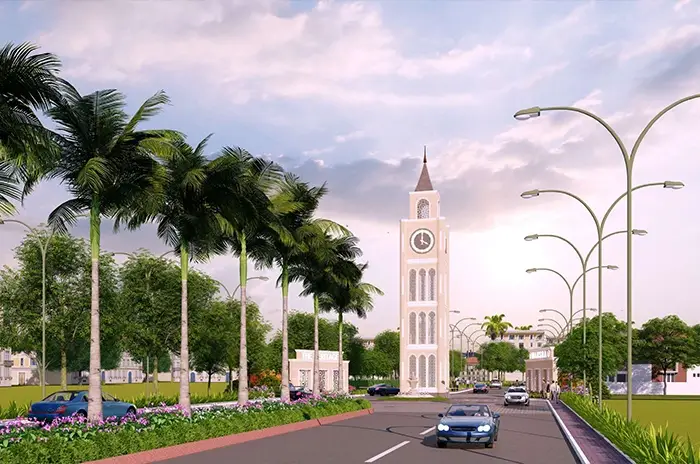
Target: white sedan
[(516, 395)]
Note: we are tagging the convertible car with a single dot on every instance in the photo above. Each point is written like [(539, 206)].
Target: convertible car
[(468, 423), (67, 403)]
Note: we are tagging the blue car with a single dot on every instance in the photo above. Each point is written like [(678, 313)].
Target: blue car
[(67, 403), (468, 423)]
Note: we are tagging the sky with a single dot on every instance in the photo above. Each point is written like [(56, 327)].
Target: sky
[(348, 93)]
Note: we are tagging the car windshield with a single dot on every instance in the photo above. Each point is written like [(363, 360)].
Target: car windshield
[(468, 411), (495, 381), (379, 385), (479, 385), (60, 396), (516, 390)]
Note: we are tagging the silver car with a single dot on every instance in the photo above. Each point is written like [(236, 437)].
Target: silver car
[(516, 395)]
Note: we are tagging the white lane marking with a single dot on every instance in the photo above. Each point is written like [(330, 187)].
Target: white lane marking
[(425, 432), (390, 450)]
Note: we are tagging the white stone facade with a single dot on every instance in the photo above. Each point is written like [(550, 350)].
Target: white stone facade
[(301, 370)]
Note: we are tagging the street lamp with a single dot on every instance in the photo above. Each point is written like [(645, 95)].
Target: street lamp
[(561, 328), (628, 157), (231, 295), (43, 247)]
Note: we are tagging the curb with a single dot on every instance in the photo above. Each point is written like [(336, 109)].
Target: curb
[(460, 391), (600, 434), (185, 449), (580, 456)]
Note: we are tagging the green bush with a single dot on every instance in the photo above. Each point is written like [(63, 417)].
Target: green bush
[(79, 444), (644, 445), (364, 383)]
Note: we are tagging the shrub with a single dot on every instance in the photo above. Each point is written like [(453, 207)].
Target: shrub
[(364, 383), (644, 445)]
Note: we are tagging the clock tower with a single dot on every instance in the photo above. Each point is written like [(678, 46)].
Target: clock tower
[(424, 291)]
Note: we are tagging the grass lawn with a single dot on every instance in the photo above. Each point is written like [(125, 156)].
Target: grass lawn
[(27, 394), (681, 415)]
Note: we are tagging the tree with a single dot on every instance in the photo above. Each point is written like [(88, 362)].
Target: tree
[(573, 358), (108, 170), (665, 342), (376, 363), (456, 363), (500, 357), (210, 339), (523, 327), (149, 299), (28, 82), (389, 342), (495, 326), (67, 297)]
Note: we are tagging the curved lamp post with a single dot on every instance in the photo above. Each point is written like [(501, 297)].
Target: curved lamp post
[(44, 248), (600, 225), (473, 341), (628, 157), (549, 319), (553, 328)]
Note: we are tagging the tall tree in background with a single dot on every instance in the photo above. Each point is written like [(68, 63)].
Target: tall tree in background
[(28, 83), (210, 339), (665, 342), (389, 342), (107, 166), (496, 326)]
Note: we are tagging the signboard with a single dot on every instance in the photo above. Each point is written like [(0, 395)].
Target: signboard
[(541, 354)]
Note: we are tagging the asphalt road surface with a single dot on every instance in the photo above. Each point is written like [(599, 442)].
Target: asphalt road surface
[(403, 432)]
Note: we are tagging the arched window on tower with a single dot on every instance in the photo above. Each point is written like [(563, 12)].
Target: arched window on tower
[(431, 371), (421, 372), (412, 329), (412, 285), (431, 327), (412, 367), (423, 209), (421, 285), (421, 328), (431, 285)]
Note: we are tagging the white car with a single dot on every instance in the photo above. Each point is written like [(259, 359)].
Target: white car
[(495, 384), (516, 395)]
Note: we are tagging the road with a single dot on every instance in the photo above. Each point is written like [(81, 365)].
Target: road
[(402, 432)]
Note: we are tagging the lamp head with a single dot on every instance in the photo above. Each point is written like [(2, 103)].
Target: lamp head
[(530, 194), (528, 113), (612, 267), (674, 185), (640, 232), (532, 237), (540, 320), (264, 278), (531, 270), (544, 310)]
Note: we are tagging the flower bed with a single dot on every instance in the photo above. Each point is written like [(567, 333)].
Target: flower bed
[(73, 440), (644, 445)]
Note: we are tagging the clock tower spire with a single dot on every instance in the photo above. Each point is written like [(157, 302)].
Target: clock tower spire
[(424, 184)]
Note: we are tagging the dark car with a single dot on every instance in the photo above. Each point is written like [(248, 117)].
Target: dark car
[(481, 388), (468, 423), (383, 389), (298, 393), (68, 403)]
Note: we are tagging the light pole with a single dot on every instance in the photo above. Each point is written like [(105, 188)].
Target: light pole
[(549, 319), (600, 225), (568, 285), (628, 158), (231, 295), (43, 247), (556, 331), (477, 335)]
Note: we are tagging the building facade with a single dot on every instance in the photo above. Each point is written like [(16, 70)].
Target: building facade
[(5, 368), (301, 370), (528, 339), (540, 369), (424, 291)]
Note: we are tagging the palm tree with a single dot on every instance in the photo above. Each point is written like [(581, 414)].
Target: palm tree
[(107, 165), (496, 326), (328, 262), (247, 230), (28, 82), (348, 296), (523, 327), (189, 221)]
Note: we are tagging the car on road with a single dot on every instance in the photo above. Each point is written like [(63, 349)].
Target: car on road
[(468, 423), (516, 395), (68, 403), (298, 393), (496, 384), (383, 389), (481, 388)]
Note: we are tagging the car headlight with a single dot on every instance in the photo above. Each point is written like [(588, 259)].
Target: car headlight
[(443, 427), (483, 428)]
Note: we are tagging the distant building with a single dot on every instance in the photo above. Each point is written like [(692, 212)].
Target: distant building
[(679, 381), (368, 343), (528, 339), (5, 368)]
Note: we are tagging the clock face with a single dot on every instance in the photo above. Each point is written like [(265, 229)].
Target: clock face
[(422, 241)]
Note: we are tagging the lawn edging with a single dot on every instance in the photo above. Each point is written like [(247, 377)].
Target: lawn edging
[(629, 460), (580, 455), (185, 449)]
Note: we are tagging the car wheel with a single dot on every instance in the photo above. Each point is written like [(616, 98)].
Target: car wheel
[(81, 413), (370, 393), (495, 438), (442, 444), (505, 403), (131, 411), (489, 445)]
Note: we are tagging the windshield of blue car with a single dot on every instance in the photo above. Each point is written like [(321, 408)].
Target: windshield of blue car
[(60, 396), (516, 390), (468, 411)]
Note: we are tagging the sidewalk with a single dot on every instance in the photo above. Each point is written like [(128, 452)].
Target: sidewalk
[(596, 449)]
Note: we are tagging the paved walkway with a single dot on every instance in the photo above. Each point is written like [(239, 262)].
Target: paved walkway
[(596, 449)]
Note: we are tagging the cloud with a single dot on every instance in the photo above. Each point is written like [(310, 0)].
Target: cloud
[(350, 136), (318, 151)]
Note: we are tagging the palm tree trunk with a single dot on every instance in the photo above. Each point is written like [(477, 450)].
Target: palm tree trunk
[(317, 374), (184, 333), (243, 357), (340, 352), (155, 374), (285, 334), (95, 382), (64, 370), (209, 384)]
